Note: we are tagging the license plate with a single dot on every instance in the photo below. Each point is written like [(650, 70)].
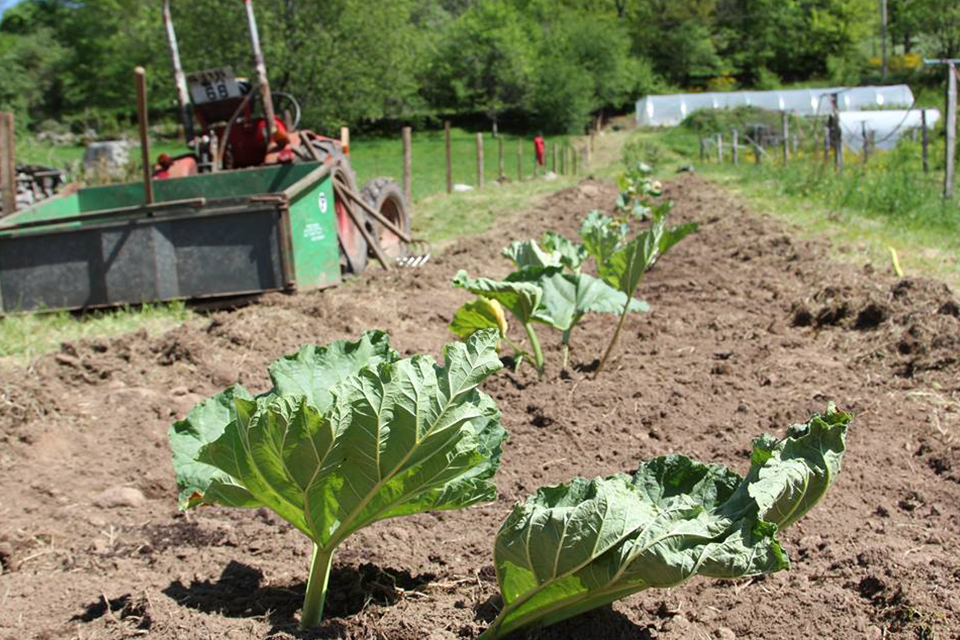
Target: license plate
[(213, 85)]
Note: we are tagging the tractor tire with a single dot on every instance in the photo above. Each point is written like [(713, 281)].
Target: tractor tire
[(385, 196), (353, 246)]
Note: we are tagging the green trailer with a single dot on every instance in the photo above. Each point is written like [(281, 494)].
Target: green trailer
[(212, 235)]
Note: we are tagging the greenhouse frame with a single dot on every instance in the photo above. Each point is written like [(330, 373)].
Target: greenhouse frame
[(671, 110)]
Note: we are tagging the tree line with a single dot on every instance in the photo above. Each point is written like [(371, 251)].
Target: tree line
[(548, 64)]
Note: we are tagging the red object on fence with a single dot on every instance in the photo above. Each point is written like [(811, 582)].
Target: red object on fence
[(540, 147)]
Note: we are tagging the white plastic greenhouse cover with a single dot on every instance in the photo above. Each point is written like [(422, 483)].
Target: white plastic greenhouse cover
[(886, 127), (671, 110)]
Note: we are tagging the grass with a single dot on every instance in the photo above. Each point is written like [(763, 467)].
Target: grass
[(26, 337), (865, 210)]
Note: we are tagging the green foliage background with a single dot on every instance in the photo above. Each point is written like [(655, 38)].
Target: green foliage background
[(547, 64)]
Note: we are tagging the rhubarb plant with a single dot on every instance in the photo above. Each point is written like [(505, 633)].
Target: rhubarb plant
[(521, 299), (350, 434), (625, 266), (579, 546), (636, 185)]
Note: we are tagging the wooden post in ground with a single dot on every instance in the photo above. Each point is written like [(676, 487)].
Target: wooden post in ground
[(573, 156), (563, 160), (408, 164), (734, 150), (479, 160), (8, 168), (827, 132), (924, 141), (785, 134), (520, 160), (703, 149), (757, 153), (866, 142), (501, 174), (951, 130), (720, 148), (837, 143), (446, 144), (554, 145), (140, 76)]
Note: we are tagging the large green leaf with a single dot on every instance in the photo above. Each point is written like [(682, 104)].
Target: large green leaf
[(578, 546), (529, 254), (478, 315), (602, 236), (567, 297), (519, 298), (310, 372), (397, 437), (572, 254), (625, 268)]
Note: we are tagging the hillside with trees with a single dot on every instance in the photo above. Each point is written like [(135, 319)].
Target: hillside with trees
[(549, 64)]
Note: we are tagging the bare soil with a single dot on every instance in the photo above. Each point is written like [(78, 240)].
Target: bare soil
[(751, 330)]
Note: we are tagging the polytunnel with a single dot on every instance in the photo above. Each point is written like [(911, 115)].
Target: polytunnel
[(883, 128), (671, 110)]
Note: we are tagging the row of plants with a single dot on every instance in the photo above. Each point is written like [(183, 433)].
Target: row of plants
[(351, 434), (549, 288)]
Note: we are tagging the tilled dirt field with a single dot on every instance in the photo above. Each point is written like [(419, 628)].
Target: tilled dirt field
[(751, 330)]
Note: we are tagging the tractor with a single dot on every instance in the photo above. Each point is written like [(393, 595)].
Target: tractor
[(232, 124)]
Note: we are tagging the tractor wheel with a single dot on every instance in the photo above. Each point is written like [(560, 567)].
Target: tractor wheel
[(353, 247), (385, 196)]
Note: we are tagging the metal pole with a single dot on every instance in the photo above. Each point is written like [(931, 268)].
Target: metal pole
[(140, 75), (8, 168), (183, 95), (408, 164), (261, 70), (446, 144)]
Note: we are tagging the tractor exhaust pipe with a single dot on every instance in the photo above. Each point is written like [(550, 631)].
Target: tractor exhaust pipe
[(261, 70), (183, 95)]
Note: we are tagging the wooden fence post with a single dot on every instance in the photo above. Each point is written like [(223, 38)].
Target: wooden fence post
[(408, 164), (446, 136), (703, 149), (734, 150), (837, 142), (8, 169), (554, 145), (866, 142), (951, 130), (573, 156), (501, 173), (785, 134), (520, 160), (924, 141), (563, 160), (756, 153), (720, 148), (479, 160)]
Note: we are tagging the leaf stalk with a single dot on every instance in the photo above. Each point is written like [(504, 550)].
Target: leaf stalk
[(313, 602)]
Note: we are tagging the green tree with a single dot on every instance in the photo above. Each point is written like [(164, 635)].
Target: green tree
[(485, 61)]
